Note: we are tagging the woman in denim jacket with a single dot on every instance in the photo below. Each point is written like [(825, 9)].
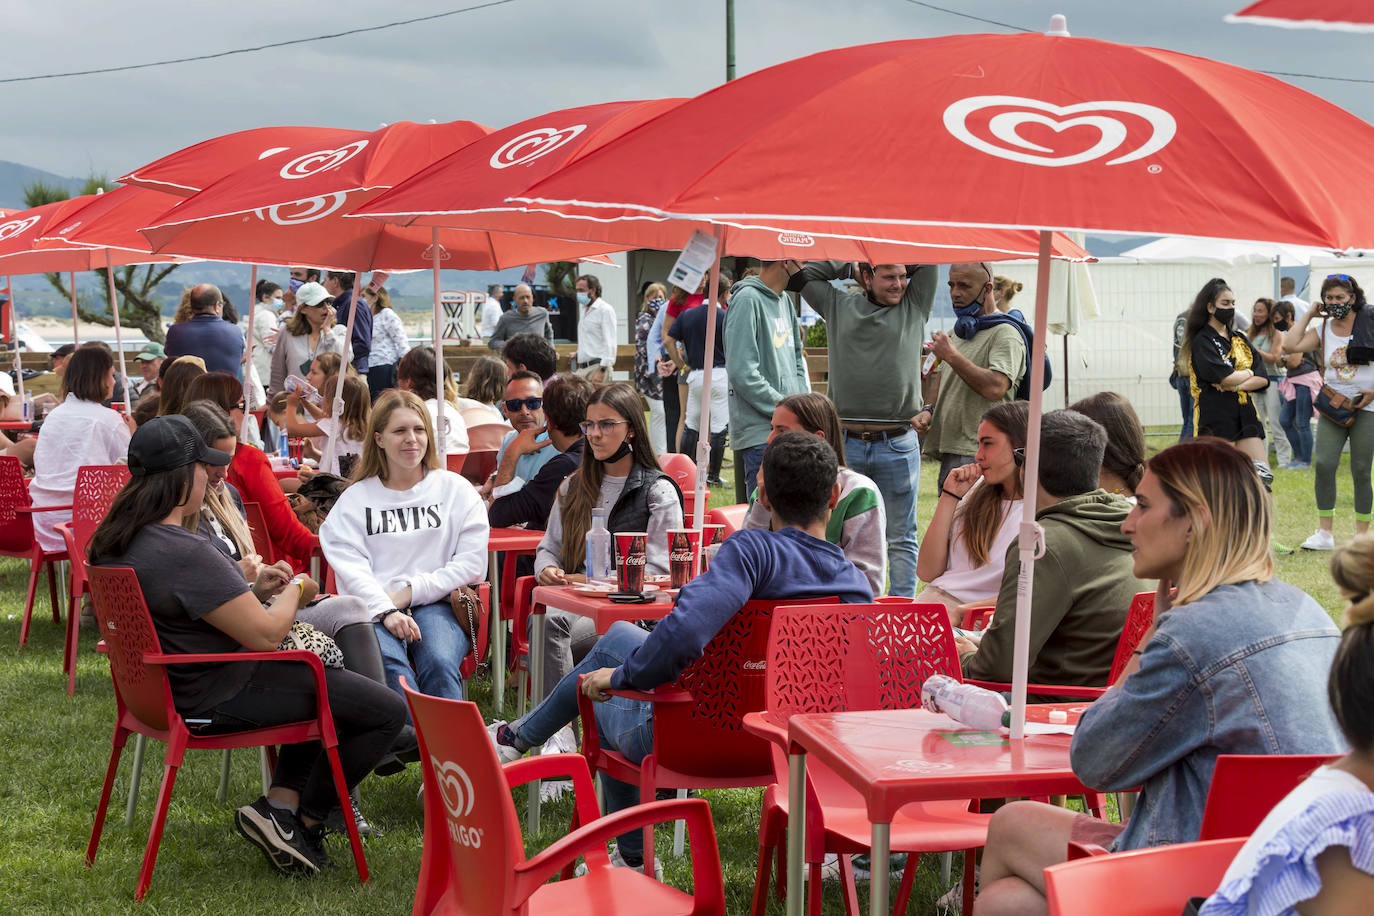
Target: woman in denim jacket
[(1236, 663)]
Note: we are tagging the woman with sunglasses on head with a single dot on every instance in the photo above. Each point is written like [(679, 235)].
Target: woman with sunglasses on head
[(1225, 375), (310, 332), (1344, 343), (403, 536), (200, 602), (619, 474)]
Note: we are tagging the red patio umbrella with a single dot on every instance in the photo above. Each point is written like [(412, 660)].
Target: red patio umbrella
[(1041, 132), (197, 167), (1333, 15)]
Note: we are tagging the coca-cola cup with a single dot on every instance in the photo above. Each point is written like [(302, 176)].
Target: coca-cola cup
[(712, 536), (631, 554), (684, 544)]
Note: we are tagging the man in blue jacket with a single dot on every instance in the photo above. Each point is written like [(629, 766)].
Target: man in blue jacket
[(207, 334), (792, 561)]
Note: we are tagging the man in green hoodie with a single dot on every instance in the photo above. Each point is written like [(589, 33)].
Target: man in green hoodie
[(1083, 585), (763, 357)]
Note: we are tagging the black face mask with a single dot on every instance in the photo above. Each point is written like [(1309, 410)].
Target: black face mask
[(1225, 316), (1283, 324), (618, 453)]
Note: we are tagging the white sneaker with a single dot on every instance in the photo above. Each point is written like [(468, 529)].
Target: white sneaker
[(504, 752), (953, 900), (618, 862), (1321, 539), (564, 741)]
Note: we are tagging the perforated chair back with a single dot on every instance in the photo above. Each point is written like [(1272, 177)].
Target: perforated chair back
[(839, 657), (97, 485), (1138, 620), (1157, 881), (1245, 788), (257, 526), (126, 626), (16, 528)]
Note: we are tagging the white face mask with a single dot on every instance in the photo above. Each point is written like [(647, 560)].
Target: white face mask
[(278, 302)]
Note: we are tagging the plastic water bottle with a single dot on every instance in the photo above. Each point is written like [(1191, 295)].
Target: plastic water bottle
[(967, 704), (599, 549), (283, 447)]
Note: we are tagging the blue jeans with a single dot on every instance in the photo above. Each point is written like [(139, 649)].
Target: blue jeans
[(752, 459), (1185, 406), (623, 725), (1295, 417), (430, 662), (895, 466)]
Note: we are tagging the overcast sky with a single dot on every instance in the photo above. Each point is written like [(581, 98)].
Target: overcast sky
[(506, 63)]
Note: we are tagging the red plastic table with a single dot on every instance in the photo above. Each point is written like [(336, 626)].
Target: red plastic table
[(508, 540), (893, 757), (603, 612)]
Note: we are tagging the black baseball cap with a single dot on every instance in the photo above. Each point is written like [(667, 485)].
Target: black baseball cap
[(167, 443)]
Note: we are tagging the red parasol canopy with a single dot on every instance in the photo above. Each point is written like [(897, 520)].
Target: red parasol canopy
[(195, 168), (1334, 15), (21, 252)]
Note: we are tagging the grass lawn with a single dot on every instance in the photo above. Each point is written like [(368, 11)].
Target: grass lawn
[(56, 748)]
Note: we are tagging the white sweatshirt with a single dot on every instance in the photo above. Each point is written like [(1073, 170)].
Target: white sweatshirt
[(432, 537)]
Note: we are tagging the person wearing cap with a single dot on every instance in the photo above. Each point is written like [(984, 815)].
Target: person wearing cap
[(214, 610), (207, 334), (80, 431), (149, 365), (310, 332)]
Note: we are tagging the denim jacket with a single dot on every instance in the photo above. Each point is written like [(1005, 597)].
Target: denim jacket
[(1242, 670)]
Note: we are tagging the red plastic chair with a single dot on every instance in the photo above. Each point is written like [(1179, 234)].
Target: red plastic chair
[(1245, 788), (487, 436), (97, 485), (977, 618), (257, 526), (17, 538), (732, 517), (1138, 619), (1156, 882), (683, 470), (478, 465), (699, 738), (143, 703), (474, 854), (838, 657), (521, 593)]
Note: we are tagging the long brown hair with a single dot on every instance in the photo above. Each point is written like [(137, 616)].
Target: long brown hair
[(982, 511), (214, 424), (816, 414), (355, 405), (1125, 455), (374, 461), (584, 486)]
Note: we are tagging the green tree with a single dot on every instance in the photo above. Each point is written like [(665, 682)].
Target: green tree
[(561, 278), (135, 284)]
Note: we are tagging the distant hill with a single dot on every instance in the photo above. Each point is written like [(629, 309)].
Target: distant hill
[(13, 178)]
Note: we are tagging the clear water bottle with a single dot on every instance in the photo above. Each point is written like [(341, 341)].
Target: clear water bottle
[(283, 447), (976, 707), (599, 567)]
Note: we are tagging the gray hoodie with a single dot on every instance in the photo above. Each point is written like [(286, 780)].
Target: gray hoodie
[(512, 323)]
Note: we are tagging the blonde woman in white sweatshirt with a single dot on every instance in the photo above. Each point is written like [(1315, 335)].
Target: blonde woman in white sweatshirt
[(401, 537)]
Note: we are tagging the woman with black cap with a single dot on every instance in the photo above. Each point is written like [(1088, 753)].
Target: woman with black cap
[(216, 610)]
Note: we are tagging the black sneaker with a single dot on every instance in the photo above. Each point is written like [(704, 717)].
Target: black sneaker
[(335, 822), (314, 841), (279, 834)]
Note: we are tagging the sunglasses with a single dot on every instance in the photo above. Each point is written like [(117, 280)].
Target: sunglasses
[(1344, 278), (531, 404)]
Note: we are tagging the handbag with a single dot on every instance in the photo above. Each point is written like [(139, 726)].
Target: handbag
[(1330, 403), (1335, 407), (303, 636), (467, 609)]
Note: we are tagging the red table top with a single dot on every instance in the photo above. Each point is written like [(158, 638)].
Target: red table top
[(893, 757), (602, 611), (518, 540), (15, 424)]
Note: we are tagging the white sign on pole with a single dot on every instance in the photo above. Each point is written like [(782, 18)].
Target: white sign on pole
[(696, 259)]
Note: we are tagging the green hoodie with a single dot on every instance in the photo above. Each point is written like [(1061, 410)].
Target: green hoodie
[(1082, 592), (763, 357)]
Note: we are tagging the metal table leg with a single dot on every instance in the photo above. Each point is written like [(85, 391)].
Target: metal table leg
[(498, 636), (537, 691), (877, 888), (135, 775), (796, 832)]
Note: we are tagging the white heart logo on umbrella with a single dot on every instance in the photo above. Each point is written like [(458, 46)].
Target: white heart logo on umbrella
[(530, 145), (1102, 115), (322, 160), (303, 211), (16, 226), (454, 788)]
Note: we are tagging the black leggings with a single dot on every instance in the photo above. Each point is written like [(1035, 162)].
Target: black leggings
[(367, 717), (672, 411)]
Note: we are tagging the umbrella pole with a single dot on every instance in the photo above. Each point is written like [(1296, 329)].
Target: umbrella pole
[(1030, 537), (119, 334), (441, 443), (703, 455), (76, 320), (336, 407), (14, 332), (248, 358)]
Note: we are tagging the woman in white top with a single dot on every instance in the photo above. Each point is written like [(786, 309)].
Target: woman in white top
[(402, 537), (965, 546), (81, 430), (389, 341), (1342, 314), (1314, 852), (310, 332), (415, 373)]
